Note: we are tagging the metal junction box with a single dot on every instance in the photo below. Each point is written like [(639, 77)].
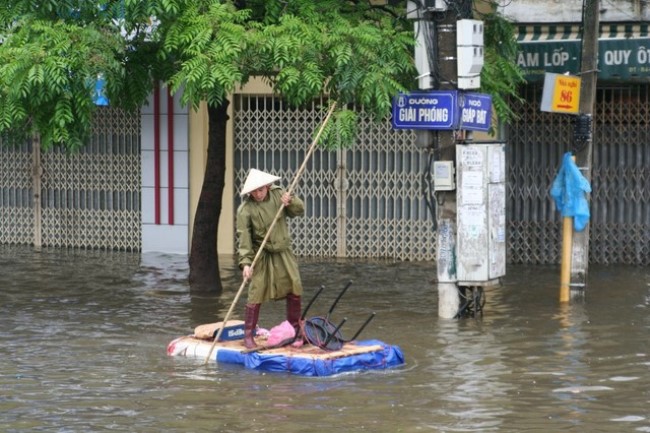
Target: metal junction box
[(481, 218), (443, 176)]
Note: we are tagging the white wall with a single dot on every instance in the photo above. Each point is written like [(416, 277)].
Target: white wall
[(165, 235), (558, 11)]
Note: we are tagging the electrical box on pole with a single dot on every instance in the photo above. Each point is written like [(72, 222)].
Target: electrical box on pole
[(443, 176), (481, 218), (424, 31), (470, 53)]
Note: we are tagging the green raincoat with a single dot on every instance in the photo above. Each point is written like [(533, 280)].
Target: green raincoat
[(275, 274)]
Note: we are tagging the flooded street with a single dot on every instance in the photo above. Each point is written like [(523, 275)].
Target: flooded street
[(83, 338)]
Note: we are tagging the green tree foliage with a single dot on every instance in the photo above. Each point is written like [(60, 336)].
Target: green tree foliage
[(52, 54), (54, 50), (350, 51)]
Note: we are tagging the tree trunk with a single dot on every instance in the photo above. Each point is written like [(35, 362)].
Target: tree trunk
[(204, 260)]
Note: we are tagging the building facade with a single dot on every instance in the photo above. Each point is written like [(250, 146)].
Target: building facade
[(136, 186), (550, 41)]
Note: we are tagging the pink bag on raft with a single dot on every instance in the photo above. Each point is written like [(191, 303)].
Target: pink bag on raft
[(278, 334)]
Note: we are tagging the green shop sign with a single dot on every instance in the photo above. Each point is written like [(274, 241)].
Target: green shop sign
[(623, 51)]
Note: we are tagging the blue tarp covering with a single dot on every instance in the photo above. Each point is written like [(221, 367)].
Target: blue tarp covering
[(568, 191), (389, 356)]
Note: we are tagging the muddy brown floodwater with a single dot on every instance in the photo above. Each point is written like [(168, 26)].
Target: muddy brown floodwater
[(83, 338)]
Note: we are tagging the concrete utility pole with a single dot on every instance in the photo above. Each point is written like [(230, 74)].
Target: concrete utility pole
[(584, 145), (447, 73), (449, 58), (437, 62)]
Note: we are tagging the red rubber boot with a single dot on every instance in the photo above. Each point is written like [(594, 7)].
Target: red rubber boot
[(252, 313), (293, 311)]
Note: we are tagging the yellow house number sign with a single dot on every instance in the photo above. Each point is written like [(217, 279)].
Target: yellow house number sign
[(561, 93)]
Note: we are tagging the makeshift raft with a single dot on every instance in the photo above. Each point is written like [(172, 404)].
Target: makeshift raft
[(321, 350), (307, 360)]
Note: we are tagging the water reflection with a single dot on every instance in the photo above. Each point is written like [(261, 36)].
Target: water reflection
[(83, 337), (470, 367)]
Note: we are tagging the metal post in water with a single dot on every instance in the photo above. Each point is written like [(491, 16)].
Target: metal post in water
[(567, 247), (37, 172), (584, 157)]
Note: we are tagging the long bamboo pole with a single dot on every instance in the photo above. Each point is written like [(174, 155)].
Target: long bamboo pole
[(293, 184)]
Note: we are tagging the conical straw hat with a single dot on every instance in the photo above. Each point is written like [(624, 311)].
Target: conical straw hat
[(257, 179)]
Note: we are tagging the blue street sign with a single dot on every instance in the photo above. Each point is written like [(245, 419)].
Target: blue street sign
[(476, 111), (426, 110)]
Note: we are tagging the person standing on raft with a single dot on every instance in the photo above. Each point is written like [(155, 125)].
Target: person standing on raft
[(275, 275)]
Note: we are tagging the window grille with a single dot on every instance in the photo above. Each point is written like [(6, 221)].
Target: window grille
[(362, 202), (89, 199)]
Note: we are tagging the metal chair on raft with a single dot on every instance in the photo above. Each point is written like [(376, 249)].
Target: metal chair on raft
[(321, 332)]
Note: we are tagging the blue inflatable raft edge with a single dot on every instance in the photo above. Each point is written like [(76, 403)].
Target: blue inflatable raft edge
[(390, 356)]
